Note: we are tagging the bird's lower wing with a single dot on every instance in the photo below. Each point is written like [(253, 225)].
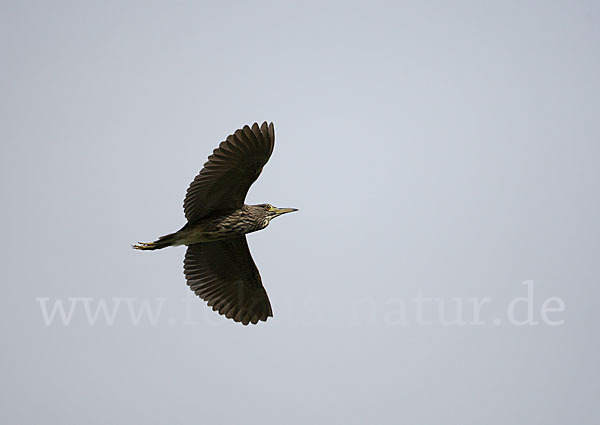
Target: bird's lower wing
[(224, 275)]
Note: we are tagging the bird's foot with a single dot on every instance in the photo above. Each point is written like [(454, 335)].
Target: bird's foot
[(144, 245)]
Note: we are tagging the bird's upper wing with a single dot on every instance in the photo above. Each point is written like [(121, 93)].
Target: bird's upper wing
[(227, 175), (224, 275)]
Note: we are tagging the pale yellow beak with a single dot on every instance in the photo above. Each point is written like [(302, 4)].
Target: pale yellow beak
[(280, 211)]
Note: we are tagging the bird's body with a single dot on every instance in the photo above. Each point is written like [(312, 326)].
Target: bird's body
[(229, 225), (248, 219), (218, 265)]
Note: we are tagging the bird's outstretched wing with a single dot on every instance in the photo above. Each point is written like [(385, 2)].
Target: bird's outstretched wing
[(229, 172), (224, 275)]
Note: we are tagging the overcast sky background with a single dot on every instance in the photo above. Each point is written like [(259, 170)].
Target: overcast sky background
[(443, 148)]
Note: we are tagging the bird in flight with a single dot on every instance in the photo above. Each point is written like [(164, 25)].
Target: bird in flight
[(218, 266)]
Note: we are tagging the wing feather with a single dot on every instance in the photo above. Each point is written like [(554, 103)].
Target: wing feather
[(224, 275), (226, 177)]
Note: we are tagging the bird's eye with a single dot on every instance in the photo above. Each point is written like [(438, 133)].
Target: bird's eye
[(268, 207)]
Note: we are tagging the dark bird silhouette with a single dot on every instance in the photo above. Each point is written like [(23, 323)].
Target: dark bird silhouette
[(218, 265)]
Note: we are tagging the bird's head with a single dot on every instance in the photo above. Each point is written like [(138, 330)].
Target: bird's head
[(267, 212)]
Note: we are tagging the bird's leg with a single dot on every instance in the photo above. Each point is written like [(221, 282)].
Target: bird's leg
[(144, 245)]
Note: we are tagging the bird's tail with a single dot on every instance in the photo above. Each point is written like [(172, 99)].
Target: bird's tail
[(162, 242)]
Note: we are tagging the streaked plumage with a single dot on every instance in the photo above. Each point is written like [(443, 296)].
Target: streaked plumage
[(218, 265)]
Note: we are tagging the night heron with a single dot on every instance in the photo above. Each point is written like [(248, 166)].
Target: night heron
[(218, 266)]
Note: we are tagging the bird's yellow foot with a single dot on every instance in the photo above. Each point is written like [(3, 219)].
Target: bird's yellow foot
[(144, 245)]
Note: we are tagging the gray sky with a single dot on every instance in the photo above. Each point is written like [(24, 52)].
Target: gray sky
[(436, 150)]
